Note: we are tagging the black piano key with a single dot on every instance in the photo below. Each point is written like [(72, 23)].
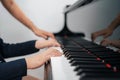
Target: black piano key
[(80, 56), (112, 60), (106, 55), (71, 46), (75, 50), (115, 63), (85, 66), (78, 39), (74, 63), (82, 59), (99, 77), (94, 70), (74, 47), (99, 50), (98, 74), (91, 46), (77, 53), (84, 54)]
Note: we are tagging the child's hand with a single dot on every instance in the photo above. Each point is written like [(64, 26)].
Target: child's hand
[(46, 43)]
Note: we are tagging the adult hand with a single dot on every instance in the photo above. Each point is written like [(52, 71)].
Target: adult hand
[(105, 33), (14, 10), (43, 33), (46, 43), (39, 59), (106, 42)]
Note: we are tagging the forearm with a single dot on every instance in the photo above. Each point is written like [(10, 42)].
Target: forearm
[(13, 69), (19, 49), (39, 59), (36, 61), (115, 23), (14, 10)]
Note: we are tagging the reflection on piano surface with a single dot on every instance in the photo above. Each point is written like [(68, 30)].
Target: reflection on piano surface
[(82, 59), (91, 61)]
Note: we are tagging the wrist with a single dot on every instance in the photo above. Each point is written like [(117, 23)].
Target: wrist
[(35, 30), (46, 57), (37, 44), (28, 63), (36, 61)]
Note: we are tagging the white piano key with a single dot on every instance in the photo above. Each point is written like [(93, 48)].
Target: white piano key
[(61, 69)]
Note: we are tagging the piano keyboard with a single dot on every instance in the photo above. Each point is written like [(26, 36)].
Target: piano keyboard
[(84, 60)]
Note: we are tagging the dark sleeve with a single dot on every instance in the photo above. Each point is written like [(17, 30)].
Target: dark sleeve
[(19, 49), (13, 70)]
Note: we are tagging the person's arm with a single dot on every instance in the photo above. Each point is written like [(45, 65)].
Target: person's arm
[(24, 48), (19, 49), (12, 7), (107, 31), (18, 68), (39, 59), (115, 23), (13, 70)]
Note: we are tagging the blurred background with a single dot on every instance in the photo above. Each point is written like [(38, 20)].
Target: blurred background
[(48, 15)]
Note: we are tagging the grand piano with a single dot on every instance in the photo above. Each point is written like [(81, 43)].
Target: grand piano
[(82, 59)]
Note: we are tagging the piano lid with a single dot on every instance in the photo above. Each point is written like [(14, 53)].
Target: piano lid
[(77, 4), (65, 31)]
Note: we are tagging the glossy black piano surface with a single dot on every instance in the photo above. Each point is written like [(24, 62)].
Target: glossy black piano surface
[(92, 61)]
